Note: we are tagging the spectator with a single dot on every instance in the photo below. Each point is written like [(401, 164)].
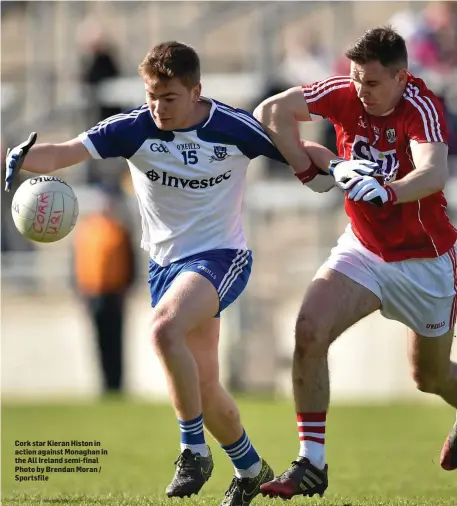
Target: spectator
[(99, 64), (104, 269)]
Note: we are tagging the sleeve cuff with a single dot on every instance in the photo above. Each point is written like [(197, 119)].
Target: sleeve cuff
[(84, 138), (425, 141)]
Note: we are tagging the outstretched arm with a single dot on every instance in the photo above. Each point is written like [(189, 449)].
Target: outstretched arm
[(46, 158), (42, 158)]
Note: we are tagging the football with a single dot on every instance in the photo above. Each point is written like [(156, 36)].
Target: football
[(45, 209)]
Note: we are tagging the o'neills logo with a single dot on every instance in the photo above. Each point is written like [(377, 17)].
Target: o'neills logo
[(178, 182), (43, 179)]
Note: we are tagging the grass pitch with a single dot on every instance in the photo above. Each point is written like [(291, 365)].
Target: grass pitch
[(378, 455)]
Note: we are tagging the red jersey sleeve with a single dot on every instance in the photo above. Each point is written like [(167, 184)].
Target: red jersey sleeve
[(425, 120), (325, 98)]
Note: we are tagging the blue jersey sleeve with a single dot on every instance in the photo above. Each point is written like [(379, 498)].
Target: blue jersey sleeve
[(117, 136), (250, 136), (256, 141)]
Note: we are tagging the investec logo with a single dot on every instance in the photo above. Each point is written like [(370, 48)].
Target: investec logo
[(179, 182)]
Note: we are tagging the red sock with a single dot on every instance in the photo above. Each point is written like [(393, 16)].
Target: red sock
[(311, 430)]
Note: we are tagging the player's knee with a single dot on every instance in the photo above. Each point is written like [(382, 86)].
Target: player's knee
[(427, 381), (164, 335), (310, 334)]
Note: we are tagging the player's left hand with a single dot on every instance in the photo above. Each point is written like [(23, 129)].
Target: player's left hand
[(368, 189), (345, 170), (15, 158)]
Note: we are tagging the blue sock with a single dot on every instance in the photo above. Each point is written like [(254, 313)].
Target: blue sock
[(245, 459), (192, 436)]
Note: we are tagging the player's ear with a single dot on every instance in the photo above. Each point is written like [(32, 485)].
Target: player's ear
[(402, 76), (196, 92)]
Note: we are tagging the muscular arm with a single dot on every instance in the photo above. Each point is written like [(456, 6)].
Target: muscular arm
[(430, 174), (46, 158), (279, 115)]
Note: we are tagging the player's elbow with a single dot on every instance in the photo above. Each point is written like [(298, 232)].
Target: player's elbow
[(273, 110), (433, 179), (444, 179), (263, 112), (258, 112), (432, 188), (439, 182)]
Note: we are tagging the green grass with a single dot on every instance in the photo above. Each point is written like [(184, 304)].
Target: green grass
[(378, 455)]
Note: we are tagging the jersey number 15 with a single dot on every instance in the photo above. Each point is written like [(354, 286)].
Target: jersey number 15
[(190, 157)]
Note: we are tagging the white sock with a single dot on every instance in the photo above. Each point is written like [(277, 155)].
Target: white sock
[(250, 472), (314, 452), (202, 449)]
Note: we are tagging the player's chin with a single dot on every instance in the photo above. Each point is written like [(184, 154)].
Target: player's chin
[(372, 109), (165, 124)]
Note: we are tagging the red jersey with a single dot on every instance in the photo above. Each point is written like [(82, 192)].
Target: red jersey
[(419, 229)]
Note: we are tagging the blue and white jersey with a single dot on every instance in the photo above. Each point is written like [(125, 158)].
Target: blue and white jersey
[(189, 183)]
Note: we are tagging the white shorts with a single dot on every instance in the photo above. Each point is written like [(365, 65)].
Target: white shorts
[(421, 292)]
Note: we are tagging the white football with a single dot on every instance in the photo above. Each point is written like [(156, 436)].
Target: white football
[(45, 209)]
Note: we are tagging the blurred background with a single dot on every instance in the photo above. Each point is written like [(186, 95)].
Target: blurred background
[(67, 65)]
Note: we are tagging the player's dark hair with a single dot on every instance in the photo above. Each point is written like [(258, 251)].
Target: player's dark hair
[(171, 59), (381, 44)]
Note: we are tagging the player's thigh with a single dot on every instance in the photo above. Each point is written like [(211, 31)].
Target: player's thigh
[(189, 302), (429, 357), (203, 342), (334, 302), (421, 293)]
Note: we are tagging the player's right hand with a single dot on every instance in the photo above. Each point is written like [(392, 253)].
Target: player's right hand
[(345, 170), (15, 158)]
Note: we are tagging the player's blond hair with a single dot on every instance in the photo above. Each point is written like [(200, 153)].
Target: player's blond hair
[(171, 59)]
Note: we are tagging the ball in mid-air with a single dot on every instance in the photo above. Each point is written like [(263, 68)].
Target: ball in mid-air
[(45, 209)]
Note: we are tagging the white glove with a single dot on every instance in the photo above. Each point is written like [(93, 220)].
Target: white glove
[(344, 170), (369, 189)]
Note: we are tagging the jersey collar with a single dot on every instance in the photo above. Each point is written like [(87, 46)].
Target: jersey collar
[(203, 123)]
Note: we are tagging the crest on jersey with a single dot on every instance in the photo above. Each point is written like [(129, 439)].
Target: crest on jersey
[(391, 135), (220, 153)]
